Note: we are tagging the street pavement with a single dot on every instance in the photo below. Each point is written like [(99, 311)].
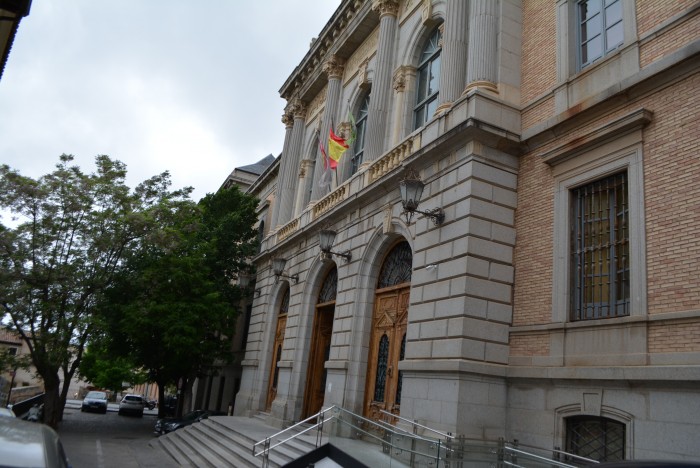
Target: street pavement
[(93, 440)]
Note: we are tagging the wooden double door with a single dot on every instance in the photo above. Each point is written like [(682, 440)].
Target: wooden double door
[(320, 351), (386, 349)]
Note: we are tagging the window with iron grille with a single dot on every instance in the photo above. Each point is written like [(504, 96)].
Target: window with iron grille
[(600, 29), (600, 249), (598, 438)]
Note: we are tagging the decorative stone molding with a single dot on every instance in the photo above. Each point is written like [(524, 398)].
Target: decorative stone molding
[(391, 160), (316, 104), (287, 230), (426, 11), (481, 84), (363, 74), (345, 129), (386, 7), (441, 28), (334, 67), (327, 203), (399, 83), (363, 53)]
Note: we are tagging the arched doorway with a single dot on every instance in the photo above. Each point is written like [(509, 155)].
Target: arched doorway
[(277, 350), (320, 345), (388, 336)]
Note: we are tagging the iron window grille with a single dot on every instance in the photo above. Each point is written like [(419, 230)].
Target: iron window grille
[(600, 249), (597, 438)]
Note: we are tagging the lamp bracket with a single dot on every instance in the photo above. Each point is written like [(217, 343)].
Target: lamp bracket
[(347, 255), (436, 214)]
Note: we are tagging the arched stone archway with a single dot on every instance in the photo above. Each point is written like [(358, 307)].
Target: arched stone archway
[(319, 350), (388, 333)]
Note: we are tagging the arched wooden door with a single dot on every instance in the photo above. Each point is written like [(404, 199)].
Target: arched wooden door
[(277, 351), (320, 348), (388, 337)]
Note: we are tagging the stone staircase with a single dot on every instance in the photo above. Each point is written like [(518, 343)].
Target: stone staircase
[(227, 441)]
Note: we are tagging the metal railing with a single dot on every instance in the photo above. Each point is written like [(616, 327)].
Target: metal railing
[(380, 443)]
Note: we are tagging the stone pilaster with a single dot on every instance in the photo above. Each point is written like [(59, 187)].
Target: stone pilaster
[(453, 66), (379, 103), (482, 58), (290, 178), (288, 121), (333, 68)]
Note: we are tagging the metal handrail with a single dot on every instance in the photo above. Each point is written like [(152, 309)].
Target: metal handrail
[(539, 457), (413, 423), (511, 447)]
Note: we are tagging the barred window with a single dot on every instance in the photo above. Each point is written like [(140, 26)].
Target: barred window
[(597, 438), (600, 249)]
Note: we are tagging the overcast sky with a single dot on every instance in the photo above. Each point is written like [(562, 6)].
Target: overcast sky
[(186, 86)]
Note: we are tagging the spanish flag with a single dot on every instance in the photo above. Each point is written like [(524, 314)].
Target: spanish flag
[(336, 147)]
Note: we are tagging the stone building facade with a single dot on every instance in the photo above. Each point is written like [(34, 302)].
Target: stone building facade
[(559, 296)]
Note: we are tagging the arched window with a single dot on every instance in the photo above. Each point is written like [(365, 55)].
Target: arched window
[(598, 438), (358, 148), (397, 267), (428, 81)]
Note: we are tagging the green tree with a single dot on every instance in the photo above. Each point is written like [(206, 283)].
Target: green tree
[(73, 230), (173, 309), (111, 373)]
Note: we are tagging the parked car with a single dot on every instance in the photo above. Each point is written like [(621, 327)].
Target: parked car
[(25, 444), (165, 425), (95, 401), (131, 404)]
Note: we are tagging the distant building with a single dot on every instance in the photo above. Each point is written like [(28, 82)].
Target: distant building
[(24, 382), (11, 14), (557, 301), (218, 390)]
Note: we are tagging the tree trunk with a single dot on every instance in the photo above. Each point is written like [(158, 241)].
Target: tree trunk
[(52, 400)]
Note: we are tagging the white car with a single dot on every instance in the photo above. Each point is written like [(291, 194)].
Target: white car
[(132, 404)]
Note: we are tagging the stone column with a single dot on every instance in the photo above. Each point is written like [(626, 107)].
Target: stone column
[(306, 167), (379, 103), (453, 65), (399, 85), (333, 68), (288, 121), (290, 178), (482, 58)]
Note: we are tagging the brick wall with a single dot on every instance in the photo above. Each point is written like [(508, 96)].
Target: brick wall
[(674, 337), (539, 56), (672, 194), (670, 40), (529, 345), (651, 13)]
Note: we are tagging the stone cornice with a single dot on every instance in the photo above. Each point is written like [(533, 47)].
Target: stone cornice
[(351, 22)]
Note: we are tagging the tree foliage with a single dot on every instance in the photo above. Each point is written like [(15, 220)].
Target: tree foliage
[(73, 231), (172, 309)]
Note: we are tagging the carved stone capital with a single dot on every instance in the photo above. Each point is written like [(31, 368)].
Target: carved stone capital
[(298, 108), (386, 7), (334, 67), (287, 119)]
